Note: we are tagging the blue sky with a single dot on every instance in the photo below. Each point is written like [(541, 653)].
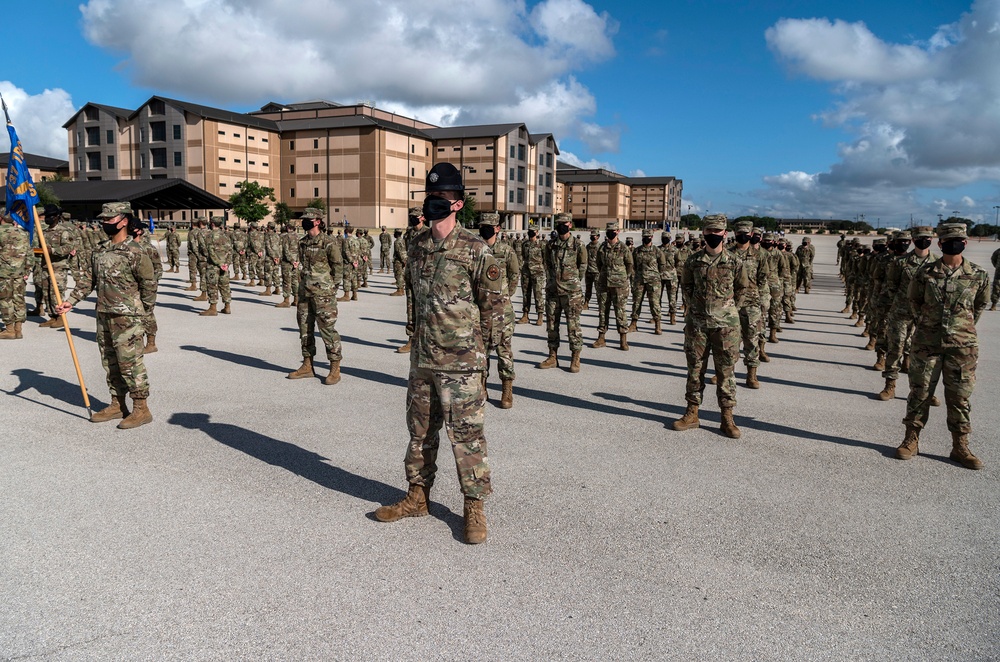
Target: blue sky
[(796, 109)]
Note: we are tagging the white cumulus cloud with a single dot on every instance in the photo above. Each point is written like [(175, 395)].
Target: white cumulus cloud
[(38, 119), (490, 59), (922, 114)]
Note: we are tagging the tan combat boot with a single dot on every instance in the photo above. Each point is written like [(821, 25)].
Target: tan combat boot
[(632, 328), (48, 324), (115, 410), (657, 329), (551, 362), (334, 375), (909, 448), (475, 521), (57, 323), (414, 504), (574, 362), (405, 349), (8, 333), (905, 368), (599, 342), (673, 317), (728, 426), (752, 378), (714, 379), (346, 297), (860, 323), (994, 306), (788, 318), (846, 309), (623, 342), (150, 347), (226, 310), (285, 303), (252, 283), (507, 396), (354, 295), (689, 420), (17, 330), (524, 319), (140, 415), (305, 370), (879, 361), (266, 293), (192, 287), (201, 297), (295, 301), (871, 343), (763, 354), (774, 336), (539, 321), (211, 312), (398, 293), (935, 402), (960, 451), (889, 392)]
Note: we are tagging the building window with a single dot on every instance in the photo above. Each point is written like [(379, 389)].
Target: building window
[(238, 184), (177, 131), (236, 135), (111, 161), (413, 172), (159, 157), (222, 185), (291, 146), (513, 152), (541, 198), (520, 152), (94, 161), (541, 159), (252, 162), (489, 147), (177, 159), (413, 149), (291, 193), (264, 164), (79, 138), (489, 170), (291, 169), (512, 175), (93, 114), (222, 158), (548, 199), (510, 196), (184, 216), (93, 137), (520, 196), (456, 149), (110, 137), (427, 151), (158, 131), (315, 143), (79, 163), (263, 140), (156, 107), (440, 149), (142, 134), (142, 160), (520, 174), (315, 192), (473, 148), (548, 160), (315, 168), (237, 160), (541, 179), (489, 193), (548, 179)]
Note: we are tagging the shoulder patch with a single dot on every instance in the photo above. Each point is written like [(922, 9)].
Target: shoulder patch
[(493, 272)]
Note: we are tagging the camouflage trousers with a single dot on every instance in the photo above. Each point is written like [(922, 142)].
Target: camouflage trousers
[(532, 284), (504, 351), (239, 265), (606, 298), (877, 325), (314, 311), (192, 269), (363, 267), (589, 280), (350, 278), (273, 274), (774, 309), (995, 293), (61, 270), (40, 279), (572, 305), (174, 258), (203, 273), (217, 281), (12, 308), (957, 366), (289, 280), (724, 346), (384, 260), (119, 338), (399, 270), (788, 296), (898, 332), (408, 289), (804, 278), (765, 310), (669, 287), (652, 293), (454, 400), (253, 266), (750, 329)]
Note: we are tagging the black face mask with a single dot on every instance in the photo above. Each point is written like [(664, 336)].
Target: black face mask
[(901, 247), (754, 239), (413, 220), (531, 234), (953, 246), (436, 208), (487, 231), (610, 234), (647, 241), (307, 224), (766, 244), (881, 248), (110, 229), (562, 228), (923, 243), (742, 238), (714, 240)]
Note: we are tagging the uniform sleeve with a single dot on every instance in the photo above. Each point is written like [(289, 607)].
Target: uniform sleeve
[(915, 294), (489, 298), (741, 280), (336, 261), (687, 280), (629, 264), (582, 260), (143, 273), (982, 295), (86, 284), (513, 271)]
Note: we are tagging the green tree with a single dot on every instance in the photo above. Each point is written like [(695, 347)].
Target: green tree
[(467, 217), (249, 203), (692, 221), (317, 203), (45, 195), (282, 213)]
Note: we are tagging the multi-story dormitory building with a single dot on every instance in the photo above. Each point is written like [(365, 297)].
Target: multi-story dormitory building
[(368, 165), (596, 196)]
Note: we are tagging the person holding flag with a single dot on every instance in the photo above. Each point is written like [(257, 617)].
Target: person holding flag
[(15, 264)]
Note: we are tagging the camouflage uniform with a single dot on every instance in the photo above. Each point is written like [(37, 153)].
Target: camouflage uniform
[(255, 243), (649, 263), (352, 262), (566, 264), (125, 282), (272, 259), (192, 242), (384, 249), (668, 274), (592, 271), (946, 304), (219, 251), (776, 272), (748, 304), (289, 263), (896, 303), (201, 253), (614, 260), (995, 294), (458, 309), (62, 241), (682, 252), (149, 320), (322, 266), (399, 260), (15, 260), (713, 285), (806, 254), (173, 250), (788, 282), (415, 226), (506, 259), (532, 273), (241, 269)]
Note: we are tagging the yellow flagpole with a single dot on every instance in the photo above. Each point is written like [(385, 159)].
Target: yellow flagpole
[(55, 288)]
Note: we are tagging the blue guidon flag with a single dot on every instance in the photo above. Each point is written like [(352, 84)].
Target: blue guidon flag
[(152, 227), (21, 194)]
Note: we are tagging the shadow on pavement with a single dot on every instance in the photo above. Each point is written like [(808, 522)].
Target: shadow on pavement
[(51, 387), (239, 359)]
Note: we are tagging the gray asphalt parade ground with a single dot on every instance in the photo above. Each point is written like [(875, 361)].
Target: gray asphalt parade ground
[(238, 525)]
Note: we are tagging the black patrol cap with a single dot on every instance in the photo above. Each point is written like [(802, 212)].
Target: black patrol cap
[(444, 177)]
